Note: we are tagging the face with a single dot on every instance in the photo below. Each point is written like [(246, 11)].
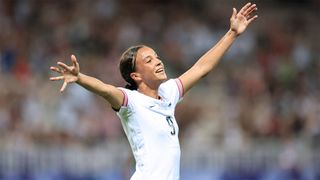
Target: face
[(149, 68)]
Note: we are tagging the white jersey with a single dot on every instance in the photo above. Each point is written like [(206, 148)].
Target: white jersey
[(152, 131)]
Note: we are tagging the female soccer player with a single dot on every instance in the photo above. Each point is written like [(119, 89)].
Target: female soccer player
[(146, 106)]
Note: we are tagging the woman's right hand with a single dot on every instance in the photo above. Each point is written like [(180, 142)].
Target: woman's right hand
[(68, 74)]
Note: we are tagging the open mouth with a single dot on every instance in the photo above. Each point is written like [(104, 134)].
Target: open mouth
[(160, 70)]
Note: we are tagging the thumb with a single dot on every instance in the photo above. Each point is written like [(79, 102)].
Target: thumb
[(64, 85)]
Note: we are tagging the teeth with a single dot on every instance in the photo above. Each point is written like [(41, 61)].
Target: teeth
[(159, 70)]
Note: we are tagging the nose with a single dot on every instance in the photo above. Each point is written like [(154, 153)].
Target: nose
[(158, 62)]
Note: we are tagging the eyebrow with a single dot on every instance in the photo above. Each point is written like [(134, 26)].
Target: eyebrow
[(149, 56)]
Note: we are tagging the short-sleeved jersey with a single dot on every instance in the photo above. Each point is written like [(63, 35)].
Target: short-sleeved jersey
[(152, 131)]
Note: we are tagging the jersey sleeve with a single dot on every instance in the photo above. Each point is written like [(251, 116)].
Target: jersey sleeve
[(172, 90), (125, 109)]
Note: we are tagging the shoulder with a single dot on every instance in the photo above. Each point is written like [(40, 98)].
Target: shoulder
[(172, 87), (128, 95), (172, 84), (169, 82)]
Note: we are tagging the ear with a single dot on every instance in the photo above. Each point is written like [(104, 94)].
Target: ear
[(135, 76)]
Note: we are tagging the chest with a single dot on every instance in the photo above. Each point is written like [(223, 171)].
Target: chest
[(157, 119)]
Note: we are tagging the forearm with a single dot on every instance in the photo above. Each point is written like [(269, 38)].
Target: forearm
[(109, 92), (71, 74), (94, 85), (209, 60), (238, 24)]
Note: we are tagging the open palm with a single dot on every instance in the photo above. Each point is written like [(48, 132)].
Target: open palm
[(68, 74), (239, 21)]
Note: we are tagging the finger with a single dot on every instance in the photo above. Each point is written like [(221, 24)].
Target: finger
[(250, 9), (74, 60), (234, 13), (57, 78), (244, 8), (64, 85), (64, 66), (249, 16), (55, 69), (252, 19)]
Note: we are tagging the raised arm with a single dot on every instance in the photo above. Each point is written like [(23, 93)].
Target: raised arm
[(71, 74), (238, 23)]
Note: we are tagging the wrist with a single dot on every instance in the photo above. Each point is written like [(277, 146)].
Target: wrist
[(78, 77), (233, 33)]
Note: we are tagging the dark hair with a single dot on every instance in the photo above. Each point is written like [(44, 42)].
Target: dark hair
[(127, 66)]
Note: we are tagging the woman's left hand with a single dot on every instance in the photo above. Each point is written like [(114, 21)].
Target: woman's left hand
[(239, 21)]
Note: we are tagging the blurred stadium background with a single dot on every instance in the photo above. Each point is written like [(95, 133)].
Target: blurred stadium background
[(255, 117)]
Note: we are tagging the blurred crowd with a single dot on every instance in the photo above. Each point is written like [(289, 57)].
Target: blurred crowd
[(265, 89)]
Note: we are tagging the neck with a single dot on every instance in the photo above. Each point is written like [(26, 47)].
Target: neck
[(148, 91)]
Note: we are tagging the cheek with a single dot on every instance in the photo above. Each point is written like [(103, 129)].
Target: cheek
[(146, 73), (147, 70)]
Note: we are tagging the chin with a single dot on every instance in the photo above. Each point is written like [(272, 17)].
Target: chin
[(163, 78)]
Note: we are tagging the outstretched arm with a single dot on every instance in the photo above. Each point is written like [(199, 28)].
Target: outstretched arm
[(238, 23), (71, 74)]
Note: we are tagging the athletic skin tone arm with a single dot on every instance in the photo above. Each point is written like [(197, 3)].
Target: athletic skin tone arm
[(238, 23), (71, 74)]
